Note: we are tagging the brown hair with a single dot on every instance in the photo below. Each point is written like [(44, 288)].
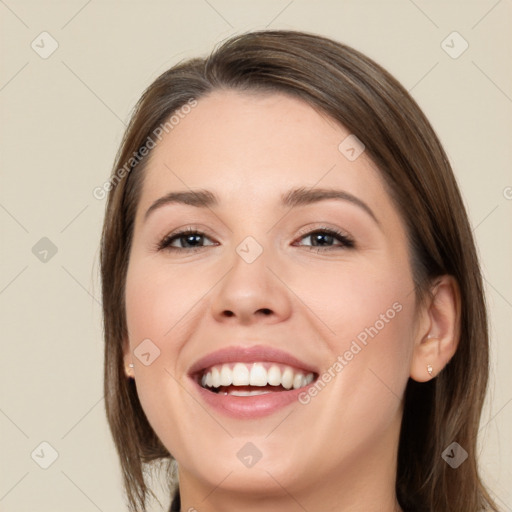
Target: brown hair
[(355, 91)]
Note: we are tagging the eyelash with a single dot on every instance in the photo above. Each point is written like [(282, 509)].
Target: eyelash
[(346, 241)]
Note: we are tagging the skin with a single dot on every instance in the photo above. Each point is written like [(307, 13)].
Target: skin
[(338, 452)]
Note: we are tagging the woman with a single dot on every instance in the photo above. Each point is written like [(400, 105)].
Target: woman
[(293, 306)]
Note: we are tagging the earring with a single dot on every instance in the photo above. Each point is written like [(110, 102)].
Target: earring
[(128, 371), (429, 369)]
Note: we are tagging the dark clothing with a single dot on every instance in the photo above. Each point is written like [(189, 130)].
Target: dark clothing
[(176, 503)]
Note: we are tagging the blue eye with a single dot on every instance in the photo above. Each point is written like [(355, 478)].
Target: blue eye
[(188, 236), (327, 236), (320, 240)]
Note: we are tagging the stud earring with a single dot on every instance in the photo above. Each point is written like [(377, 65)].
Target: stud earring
[(429, 369), (128, 372)]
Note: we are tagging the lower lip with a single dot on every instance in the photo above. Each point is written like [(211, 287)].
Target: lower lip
[(250, 407)]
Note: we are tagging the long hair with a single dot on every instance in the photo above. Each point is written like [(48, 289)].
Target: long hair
[(359, 94)]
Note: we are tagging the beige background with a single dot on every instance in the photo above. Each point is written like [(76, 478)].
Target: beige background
[(62, 120)]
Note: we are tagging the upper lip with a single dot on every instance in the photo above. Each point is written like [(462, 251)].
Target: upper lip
[(245, 354)]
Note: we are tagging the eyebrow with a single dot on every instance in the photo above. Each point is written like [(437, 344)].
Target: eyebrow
[(293, 198)]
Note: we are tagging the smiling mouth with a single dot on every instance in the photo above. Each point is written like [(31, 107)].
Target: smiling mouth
[(250, 379)]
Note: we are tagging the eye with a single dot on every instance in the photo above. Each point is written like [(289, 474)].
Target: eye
[(190, 237), (323, 237), (320, 240)]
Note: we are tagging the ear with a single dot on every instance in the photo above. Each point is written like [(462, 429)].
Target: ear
[(127, 359), (438, 332)]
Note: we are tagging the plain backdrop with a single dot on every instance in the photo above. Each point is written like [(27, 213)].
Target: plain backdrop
[(71, 72)]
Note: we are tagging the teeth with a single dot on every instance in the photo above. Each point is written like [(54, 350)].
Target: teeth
[(274, 376), (258, 375), (215, 377), (298, 381), (240, 375), (226, 376), (248, 393), (286, 378), (254, 374)]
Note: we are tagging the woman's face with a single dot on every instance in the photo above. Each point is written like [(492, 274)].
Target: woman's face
[(255, 277)]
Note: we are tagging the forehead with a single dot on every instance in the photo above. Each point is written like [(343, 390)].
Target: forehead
[(254, 146)]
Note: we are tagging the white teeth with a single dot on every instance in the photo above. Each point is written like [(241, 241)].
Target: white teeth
[(274, 376), (236, 392), (298, 381), (286, 379), (240, 375), (254, 374), (215, 377), (226, 376), (258, 375)]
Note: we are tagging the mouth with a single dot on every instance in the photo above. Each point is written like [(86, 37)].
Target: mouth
[(250, 382), (251, 379)]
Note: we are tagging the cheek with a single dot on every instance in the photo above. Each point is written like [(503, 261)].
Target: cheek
[(157, 298), (358, 300), (367, 315), (155, 304)]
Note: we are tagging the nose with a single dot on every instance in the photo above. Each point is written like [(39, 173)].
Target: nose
[(251, 293)]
